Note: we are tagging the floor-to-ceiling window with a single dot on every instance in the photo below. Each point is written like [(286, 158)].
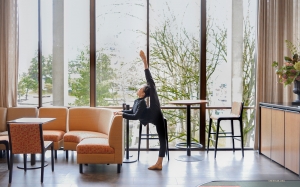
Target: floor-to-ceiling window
[(174, 60), (230, 64), (28, 49), (121, 31), (121, 28)]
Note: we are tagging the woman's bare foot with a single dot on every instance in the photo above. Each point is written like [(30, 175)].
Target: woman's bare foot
[(155, 167)]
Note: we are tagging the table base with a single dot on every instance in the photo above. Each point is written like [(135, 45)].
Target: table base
[(192, 146), (185, 158), (129, 160), (37, 165)]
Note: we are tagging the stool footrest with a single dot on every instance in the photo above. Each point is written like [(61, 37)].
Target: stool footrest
[(149, 138)]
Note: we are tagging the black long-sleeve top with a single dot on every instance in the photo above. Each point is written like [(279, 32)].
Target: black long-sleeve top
[(140, 111), (137, 111)]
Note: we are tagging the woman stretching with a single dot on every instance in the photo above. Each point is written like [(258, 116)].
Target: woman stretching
[(152, 114)]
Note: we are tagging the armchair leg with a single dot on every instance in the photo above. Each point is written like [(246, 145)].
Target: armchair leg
[(119, 168), (52, 160), (11, 166), (80, 168), (42, 167), (25, 161), (55, 154), (67, 155)]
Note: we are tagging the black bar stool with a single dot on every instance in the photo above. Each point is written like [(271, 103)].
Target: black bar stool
[(235, 114), (152, 137)]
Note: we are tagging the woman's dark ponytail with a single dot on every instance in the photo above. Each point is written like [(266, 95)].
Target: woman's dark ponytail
[(147, 91)]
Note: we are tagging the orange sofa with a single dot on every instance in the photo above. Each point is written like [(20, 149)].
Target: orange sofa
[(97, 136)]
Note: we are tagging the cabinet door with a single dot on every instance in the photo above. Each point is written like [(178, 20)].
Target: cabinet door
[(292, 141), (265, 131), (277, 140)]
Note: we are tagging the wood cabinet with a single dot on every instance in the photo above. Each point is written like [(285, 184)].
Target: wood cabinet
[(265, 131), (280, 134), (292, 140), (277, 137)]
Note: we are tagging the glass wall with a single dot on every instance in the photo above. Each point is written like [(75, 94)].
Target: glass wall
[(230, 64), (28, 53), (121, 32), (174, 60), (65, 53), (121, 28)]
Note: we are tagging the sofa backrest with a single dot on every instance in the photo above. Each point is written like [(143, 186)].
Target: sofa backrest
[(106, 117), (3, 112), (59, 113), (21, 112), (84, 119)]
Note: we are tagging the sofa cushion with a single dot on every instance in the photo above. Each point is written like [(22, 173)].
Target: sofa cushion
[(84, 119), (21, 112), (94, 146), (52, 135), (3, 112), (77, 136), (4, 133), (59, 113)]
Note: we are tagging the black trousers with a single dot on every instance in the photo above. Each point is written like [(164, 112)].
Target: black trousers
[(156, 114), (161, 131)]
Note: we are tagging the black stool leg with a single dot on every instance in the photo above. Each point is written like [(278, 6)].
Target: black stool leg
[(217, 137), (242, 137), (232, 134), (208, 138), (167, 139), (139, 146)]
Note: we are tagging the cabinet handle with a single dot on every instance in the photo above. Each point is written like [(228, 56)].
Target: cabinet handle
[(279, 109), (262, 106), (292, 111)]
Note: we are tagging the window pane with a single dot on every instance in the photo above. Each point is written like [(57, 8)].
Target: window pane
[(66, 60), (28, 48), (121, 34), (47, 51), (174, 60), (231, 26)]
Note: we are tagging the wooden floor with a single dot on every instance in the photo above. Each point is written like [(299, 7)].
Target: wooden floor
[(227, 166)]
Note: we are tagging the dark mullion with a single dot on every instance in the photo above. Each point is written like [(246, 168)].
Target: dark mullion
[(148, 55), (202, 71), (148, 47), (40, 70), (93, 53)]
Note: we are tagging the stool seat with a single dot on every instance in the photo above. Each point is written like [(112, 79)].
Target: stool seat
[(236, 114)]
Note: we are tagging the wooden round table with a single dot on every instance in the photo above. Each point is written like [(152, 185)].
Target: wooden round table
[(188, 145)]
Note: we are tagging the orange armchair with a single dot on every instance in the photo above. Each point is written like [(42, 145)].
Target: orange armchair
[(25, 138)]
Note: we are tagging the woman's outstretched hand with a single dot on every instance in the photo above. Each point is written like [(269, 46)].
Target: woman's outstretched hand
[(118, 113), (143, 56)]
